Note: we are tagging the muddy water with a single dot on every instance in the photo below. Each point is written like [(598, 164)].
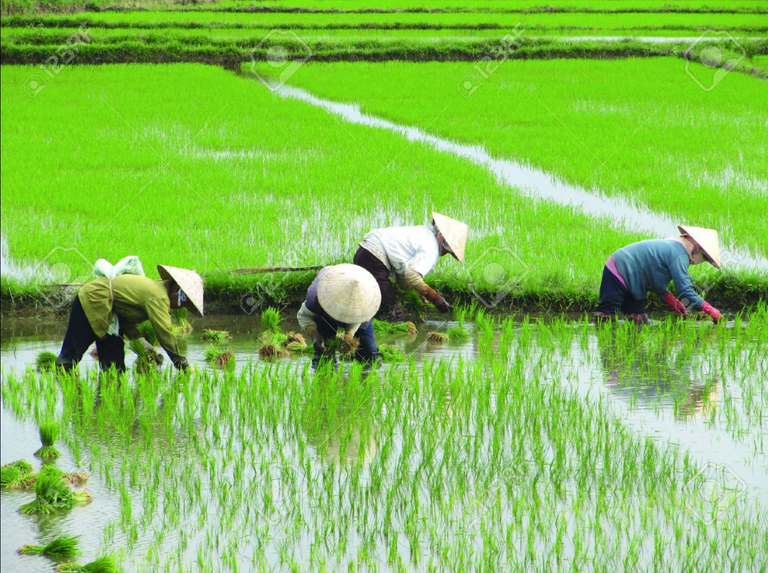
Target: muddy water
[(646, 403), (532, 182)]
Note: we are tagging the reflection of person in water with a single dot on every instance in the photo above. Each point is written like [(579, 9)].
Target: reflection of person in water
[(338, 421), (657, 377)]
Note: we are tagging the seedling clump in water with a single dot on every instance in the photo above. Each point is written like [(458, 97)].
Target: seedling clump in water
[(216, 335), (148, 360), (64, 547), (270, 320), (437, 337), (105, 564), (220, 358), (52, 494), (271, 351), (49, 433), (147, 331), (46, 361), (392, 353), (16, 475), (384, 327)]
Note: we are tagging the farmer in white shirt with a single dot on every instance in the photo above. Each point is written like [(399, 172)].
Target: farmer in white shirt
[(408, 254)]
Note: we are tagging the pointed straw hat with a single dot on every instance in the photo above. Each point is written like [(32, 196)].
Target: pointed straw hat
[(189, 281), (348, 293), (454, 232), (707, 240)]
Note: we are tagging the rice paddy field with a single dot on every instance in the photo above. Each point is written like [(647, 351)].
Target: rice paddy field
[(510, 435)]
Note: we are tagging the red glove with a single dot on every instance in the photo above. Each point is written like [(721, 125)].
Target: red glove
[(676, 305), (711, 311), (435, 298)]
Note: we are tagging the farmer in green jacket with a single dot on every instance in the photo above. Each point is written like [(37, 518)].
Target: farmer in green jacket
[(650, 265), (134, 299)]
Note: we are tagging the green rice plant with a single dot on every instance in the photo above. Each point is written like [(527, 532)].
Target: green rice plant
[(147, 331), (147, 360), (270, 320), (49, 433), (224, 359), (384, 327), (392, 353), (181, 324), (64, 547), (46, 361), (298, 348), (52, 494), (15, 475), (104, 564), (216, 336), (457, 333)]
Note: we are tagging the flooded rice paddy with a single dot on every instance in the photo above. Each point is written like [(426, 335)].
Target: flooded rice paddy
[(533, 445)]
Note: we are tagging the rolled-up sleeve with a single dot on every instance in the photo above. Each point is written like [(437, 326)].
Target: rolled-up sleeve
[(306, 318), (678, 268)]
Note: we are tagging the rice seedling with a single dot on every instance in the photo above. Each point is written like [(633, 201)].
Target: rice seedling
[(46, 361), (270, 320), (457, 333), (181, 324), (392, 353), (147, 360), (271, 352), (383, 327), (104, 564), (348, 344), (220, 358), (437, 337), (49, 433), (147, 331), (52, 494), (216, 336), (15, 475), (64, 547)]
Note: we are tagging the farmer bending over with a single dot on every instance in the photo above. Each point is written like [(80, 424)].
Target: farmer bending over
[(342, 296), (134, 299), (634, 270), (408, 254)]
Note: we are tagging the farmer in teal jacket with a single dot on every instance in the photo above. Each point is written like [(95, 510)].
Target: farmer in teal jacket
[(650, 265)]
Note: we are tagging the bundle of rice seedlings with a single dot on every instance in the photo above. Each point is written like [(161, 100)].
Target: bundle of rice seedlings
[(299, 348), (52, 494), (349, 344), (46, 361), (16, 475), (148, 360), (384, 327), (105, 564), (181, 323), (76, 479), (436, 337), (458, 333), (49, 433), (216, 335), (392, 353), (271, 352), (64, 547), (295, 337), (146, 330), (275, 338), (220, 358), (270, 320)]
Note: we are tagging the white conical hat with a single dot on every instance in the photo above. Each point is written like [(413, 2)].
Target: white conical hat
[(707, 240), (189, 281), (454, 232), (348, 293)]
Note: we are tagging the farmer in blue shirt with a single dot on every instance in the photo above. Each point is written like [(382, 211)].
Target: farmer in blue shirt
[(649, 266)]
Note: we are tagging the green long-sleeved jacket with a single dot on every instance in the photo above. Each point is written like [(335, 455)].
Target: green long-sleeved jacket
[(134, 299)]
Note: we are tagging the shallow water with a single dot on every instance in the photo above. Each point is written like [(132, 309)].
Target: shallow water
[(532, 182), (683, 398)]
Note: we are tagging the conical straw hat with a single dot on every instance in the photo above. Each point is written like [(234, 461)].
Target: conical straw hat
[(454, 232), (348, 293), (707, 240), (189, 281)]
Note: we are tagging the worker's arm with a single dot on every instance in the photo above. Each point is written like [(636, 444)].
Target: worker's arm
[(414, 280), (307, 322), (685, 292), (159, 313)]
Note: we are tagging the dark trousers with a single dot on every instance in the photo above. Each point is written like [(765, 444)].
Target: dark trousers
[(364, 258), (615, 296), (79, 338), (368, 351)]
